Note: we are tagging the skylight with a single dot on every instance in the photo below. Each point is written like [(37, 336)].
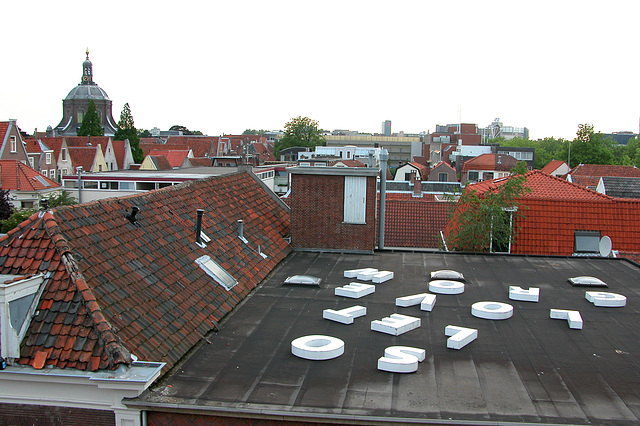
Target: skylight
[(447, 274), (303, 280), (587, 281), (216, 272), (41, 180)]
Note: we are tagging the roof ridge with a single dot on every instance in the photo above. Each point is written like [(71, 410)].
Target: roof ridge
[(575, 185), (116, 352)]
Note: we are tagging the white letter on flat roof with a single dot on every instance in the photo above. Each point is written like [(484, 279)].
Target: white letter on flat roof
[(492, 310), (344, 316), (353, 273), (606, 299), (573, 317), (460, 336), (446, 287), (355, 290), (401, 359), (518, 293), (425, 300), (317, 347), (396, 324)]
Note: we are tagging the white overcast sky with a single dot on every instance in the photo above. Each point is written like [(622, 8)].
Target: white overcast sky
[(224, 66)]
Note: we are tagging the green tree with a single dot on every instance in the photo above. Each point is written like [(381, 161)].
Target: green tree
[(6, 208), (127, 130), (299, 131), (487, 222), (184, 130), (520, 168), (63, 198), (632, 151), (144, 134), (91, 122), (590, 147), (15, 219), (254, 132)]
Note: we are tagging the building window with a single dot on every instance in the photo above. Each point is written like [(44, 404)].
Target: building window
[(64, 172), (44, 172), (48, 157), (587, 241), (14, 144), (355, 199), (52, 173), (31, 162), (487, 176), (443, 177), (64, 154), (472, 176)]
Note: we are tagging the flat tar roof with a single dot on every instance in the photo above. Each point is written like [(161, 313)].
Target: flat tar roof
[(525, 369)]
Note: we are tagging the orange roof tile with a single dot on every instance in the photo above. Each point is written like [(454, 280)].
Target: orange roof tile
[(500, 162), (552, 166), (119, 151), (17, 176), (83, 156), (4, 126)]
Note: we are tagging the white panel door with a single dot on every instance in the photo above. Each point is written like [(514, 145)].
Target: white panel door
[(355, 199)]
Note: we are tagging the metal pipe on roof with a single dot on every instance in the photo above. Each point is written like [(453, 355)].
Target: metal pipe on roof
[(199, 214), (384, 156), (241, 229)]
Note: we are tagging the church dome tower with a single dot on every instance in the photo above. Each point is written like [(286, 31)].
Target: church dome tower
[(75, 105)]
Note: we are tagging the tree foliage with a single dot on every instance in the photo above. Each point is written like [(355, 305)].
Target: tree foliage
[(16, 218), (91, 122), (254, 132), (184, 130), (488, 222), (590, 147), (127, 130), (300, 131), (6, 208), (63, 198)]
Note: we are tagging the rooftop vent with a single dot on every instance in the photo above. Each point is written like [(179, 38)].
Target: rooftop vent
[(241, 231), (199, 214), (132, 216)]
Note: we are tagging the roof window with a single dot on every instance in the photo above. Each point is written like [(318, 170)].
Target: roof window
[(587, 241), (303, 280), (587, 281), (447, 274), (215, 271)]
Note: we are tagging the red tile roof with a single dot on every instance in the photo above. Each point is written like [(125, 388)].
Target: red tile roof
[(85, 141), (200, 145), (201, 162), (33, 146), (415, 222), (174, 157), (119, 152), (588, 175), (119, 288), (500, 162), (556, 208), (4, 127), (552, 166), (83, 156), (160, 162), (17, 176)]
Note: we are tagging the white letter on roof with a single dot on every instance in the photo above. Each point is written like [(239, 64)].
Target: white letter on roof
[(492, 310), (425, 300), (396, 324), (573, 317), (355, 290), (446, 287), (344, 316), (518, 293), (606, 299), (401, 359), (460, 336), (317, 347)]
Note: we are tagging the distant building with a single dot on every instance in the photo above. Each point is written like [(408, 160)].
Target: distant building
[(401, 149), (75, 105), (621, 138), (496, 129), (386, 127)]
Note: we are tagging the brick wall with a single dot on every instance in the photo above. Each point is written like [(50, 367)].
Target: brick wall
[(317, 212), (21, 414)]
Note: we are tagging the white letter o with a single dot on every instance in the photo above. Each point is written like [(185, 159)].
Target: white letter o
[(317, 347)]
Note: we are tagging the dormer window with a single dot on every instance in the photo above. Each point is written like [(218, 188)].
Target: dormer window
[(18, 301)]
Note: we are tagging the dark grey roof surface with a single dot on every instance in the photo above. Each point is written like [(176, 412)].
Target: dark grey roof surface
[(528, 368), (622, 187)]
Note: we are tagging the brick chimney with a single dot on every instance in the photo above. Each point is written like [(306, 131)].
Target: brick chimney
[(333, 208), (417, 187)]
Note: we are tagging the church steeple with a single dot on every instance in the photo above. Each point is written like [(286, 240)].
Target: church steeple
[(87, 70)]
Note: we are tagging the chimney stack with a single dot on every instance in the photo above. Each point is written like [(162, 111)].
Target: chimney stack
[(417, 187), (199, 214)]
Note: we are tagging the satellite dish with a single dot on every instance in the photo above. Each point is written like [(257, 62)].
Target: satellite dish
[(605, 246)]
